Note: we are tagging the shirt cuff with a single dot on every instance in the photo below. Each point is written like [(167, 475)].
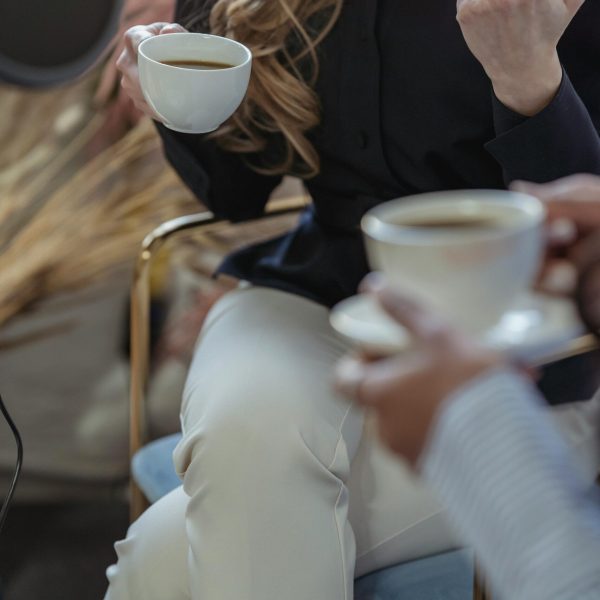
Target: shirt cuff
[(560, 140), (506, 119)]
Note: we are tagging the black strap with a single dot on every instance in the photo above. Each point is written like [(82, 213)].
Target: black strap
[(47, 42)]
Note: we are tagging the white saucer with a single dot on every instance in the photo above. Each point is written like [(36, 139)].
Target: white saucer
[(536, 327)]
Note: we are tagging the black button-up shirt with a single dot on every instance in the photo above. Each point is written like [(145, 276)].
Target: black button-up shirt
[(406, 108)]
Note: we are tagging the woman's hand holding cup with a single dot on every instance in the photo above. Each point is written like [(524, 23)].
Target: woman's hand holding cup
[(128, 61), (190, 82)]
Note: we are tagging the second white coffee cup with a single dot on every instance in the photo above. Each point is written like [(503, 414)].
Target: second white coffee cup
[(466, 254), (192, 100)]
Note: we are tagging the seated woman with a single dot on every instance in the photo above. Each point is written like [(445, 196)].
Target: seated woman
[(283, 496)]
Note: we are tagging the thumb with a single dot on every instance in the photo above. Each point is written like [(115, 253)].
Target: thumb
[(173, 28), (138, 34)]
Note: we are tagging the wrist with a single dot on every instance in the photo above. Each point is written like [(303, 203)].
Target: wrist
[(470, 363), (469, 372), (528, 93)]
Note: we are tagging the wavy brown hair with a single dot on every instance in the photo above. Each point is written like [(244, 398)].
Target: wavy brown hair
[(283, 36)]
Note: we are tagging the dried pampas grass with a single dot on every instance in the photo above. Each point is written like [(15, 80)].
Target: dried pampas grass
[(73, 207)]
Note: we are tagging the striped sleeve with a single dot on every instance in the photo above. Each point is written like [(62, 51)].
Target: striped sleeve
[(515, 492)]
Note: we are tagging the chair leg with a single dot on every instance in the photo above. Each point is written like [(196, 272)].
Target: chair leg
[(140, 359), (479, 589), (137, 501), (140, 338)]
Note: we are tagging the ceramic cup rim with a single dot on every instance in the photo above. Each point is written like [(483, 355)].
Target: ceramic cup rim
[(152, 40), (375, 226)]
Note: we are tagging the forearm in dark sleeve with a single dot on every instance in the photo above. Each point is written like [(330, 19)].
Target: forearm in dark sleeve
[(221, 180), (561, 140)]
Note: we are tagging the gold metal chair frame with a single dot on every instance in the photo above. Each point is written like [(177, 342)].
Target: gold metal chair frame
[(205, 223)]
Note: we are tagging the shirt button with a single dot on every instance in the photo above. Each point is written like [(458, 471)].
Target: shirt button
[(362, 140)]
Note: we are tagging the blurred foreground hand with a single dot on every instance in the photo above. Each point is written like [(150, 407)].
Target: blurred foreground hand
[(407, 390), (573, 205)]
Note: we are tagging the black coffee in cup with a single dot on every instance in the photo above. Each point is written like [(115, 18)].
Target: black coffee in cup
[(198, 65), (459, 222)]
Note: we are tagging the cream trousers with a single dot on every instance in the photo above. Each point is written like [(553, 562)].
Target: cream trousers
[(283, 497), (270, 508)]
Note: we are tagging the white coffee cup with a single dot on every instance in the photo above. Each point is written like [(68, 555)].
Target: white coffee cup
[(191, 100), (470, 274)]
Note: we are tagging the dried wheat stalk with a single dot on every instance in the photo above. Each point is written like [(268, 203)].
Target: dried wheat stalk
[(69, 219)]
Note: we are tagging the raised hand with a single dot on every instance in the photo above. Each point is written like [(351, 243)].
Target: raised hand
[(515, 41)]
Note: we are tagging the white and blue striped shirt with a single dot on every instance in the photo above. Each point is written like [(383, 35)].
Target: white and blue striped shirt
[(515, 491)]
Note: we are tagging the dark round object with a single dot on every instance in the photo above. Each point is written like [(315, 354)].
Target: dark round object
[(48, 42)]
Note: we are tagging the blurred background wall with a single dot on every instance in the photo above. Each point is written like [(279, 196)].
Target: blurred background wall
[(82, 181), (79, 189)]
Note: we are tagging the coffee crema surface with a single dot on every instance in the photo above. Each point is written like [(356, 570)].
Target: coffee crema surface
[(198, 65), (479, 222)]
